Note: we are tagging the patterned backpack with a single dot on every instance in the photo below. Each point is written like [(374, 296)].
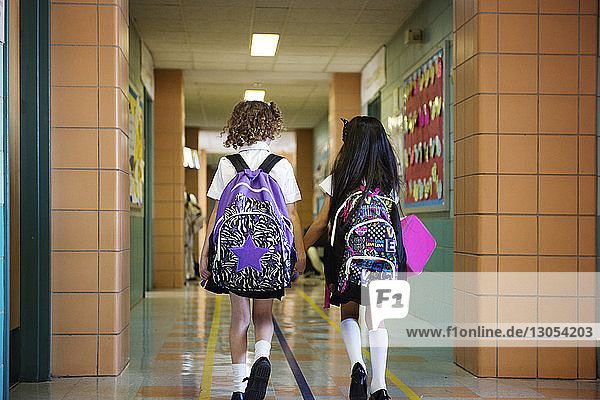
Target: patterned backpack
[(252, 250), (366, 240)]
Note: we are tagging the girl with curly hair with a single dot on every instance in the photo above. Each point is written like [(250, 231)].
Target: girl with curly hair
[(249, 130)]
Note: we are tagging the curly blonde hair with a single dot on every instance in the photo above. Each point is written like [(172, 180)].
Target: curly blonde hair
[(251, 122)]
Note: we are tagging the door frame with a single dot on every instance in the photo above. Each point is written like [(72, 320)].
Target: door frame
[(148, 192), (35, 190)]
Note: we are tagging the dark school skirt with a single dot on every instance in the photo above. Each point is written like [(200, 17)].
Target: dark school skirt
[(352, 292), (211, 286)]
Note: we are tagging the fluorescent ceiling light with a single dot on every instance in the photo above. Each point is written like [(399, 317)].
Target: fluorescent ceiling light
[(254, 95), (264, 44)]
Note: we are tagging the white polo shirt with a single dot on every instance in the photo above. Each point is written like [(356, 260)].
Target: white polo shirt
[(254, 155)]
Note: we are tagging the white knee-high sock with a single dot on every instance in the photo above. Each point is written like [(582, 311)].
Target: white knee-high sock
[(239, 373), (262, 348), (351, 335), (378, 342)]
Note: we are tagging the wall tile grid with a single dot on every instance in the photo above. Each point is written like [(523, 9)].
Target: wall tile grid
[(304, 175), (90, 187), (169, 179), (525, 151)]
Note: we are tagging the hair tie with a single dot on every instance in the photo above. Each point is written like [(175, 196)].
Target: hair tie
[(344, 129)]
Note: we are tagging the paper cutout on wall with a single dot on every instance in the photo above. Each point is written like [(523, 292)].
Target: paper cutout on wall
[(136, 149)]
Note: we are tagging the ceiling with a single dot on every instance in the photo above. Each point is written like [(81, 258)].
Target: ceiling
[(210, 41)]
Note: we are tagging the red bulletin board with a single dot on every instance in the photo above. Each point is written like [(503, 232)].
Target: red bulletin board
[(424, 140)]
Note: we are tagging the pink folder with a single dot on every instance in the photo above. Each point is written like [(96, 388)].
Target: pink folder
[(418, 243)]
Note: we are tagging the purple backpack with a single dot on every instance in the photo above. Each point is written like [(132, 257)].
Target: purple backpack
[(252, 250)]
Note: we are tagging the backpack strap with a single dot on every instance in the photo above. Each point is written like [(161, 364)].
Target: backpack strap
[(270, 162), (238, 162)]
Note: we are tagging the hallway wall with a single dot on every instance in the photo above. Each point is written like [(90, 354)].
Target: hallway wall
[(5, 279), (344, 102), (320, 160), (90, 188), (169, 181), (525, 145), (136, 214), (304, 176)]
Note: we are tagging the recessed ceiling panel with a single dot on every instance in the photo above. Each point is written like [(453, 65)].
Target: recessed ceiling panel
[(210, 41)]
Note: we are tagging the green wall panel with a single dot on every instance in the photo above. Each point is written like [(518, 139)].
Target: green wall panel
[(136, 257)]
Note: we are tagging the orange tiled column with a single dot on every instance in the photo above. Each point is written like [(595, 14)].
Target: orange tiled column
[(344, 102), (304, 174), (525, 151), (90, 188), (169, 178)]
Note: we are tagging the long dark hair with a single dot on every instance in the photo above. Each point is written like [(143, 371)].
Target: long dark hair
[(366, 158)]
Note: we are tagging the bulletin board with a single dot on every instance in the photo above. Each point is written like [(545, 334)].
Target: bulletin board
[(425, 136), (136, 149)]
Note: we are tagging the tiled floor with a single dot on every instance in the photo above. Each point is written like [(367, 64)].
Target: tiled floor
[(180, 350)]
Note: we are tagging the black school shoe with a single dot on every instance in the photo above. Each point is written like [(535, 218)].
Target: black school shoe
[(381, 394), (258, 380), (358, 384), (237, 396)]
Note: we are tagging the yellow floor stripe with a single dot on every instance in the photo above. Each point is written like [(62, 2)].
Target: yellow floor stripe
[(393, 378), (210, 352)]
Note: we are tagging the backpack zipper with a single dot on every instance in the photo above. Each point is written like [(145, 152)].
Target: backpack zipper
[(287, 221), (369, 257), (349, 261), (218, 258)]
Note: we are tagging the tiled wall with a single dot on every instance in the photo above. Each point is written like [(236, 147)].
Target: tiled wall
[(344, 102), (525, 146), (304, 176), (90, 187), (169, 181)]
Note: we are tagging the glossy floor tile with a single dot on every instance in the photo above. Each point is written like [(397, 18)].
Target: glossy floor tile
[(180, 350)]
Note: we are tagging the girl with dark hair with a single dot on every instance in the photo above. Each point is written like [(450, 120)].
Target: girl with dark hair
[(366, 162)]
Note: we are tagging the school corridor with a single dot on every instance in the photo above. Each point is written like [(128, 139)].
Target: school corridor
[(111, 134), (180, 351)]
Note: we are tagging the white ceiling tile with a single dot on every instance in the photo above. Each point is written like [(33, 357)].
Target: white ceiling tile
[(210, 41), (338, 4), (307, 59), (269, 14), (138, 3), (217, 3), (393, 5), (315, 40), (317, 29), (299, 67), (343, 68), (273, 3), (267, 27), (287, 50), (383, 17), (322, 15)]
